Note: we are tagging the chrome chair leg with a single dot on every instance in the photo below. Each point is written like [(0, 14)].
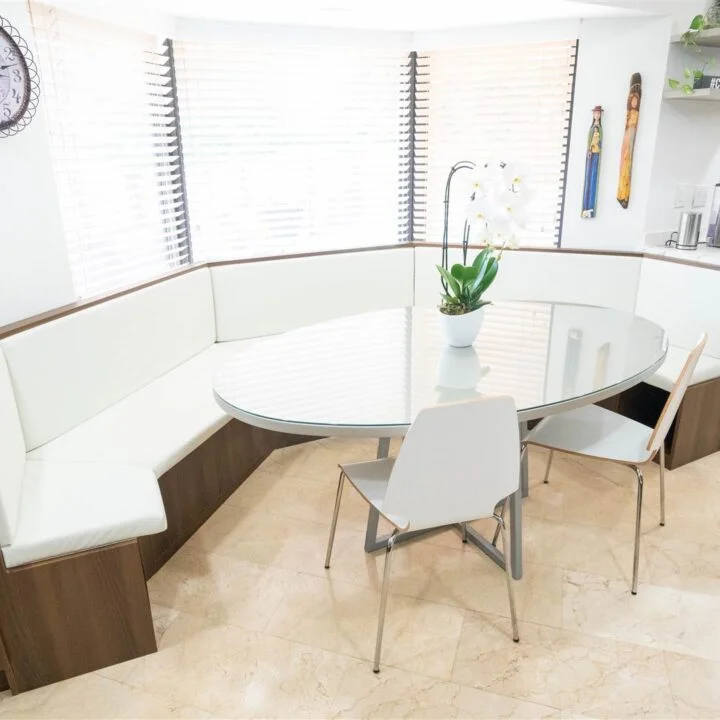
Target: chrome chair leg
[(546, 479), (638, 519), (464, 532), (662, 484), (333, 526), (502, 515), (383, 601), (508, 576)]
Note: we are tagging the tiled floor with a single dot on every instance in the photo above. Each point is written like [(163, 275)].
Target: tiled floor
[(250, 624)]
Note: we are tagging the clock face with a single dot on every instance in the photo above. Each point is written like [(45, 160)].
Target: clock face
[(14, 82)]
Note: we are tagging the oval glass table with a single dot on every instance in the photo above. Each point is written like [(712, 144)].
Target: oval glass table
[(368, 375)]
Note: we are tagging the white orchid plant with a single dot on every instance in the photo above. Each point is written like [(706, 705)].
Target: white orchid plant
[(496, 210)]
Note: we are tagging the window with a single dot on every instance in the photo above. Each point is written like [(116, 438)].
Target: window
[(109, 99), (292, 148), (509, 103)]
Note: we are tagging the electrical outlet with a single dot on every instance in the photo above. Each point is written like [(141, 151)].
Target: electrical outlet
[(700, 196), (683, 194)]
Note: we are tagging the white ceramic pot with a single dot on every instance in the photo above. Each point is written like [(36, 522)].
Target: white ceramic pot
[(461, 330)]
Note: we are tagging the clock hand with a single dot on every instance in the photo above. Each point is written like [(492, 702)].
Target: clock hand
[(5, 67)]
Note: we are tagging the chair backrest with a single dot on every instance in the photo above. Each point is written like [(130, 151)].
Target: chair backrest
[(456, 463), (675, 398)]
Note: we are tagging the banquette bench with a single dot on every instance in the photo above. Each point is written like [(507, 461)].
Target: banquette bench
[(113, 450)]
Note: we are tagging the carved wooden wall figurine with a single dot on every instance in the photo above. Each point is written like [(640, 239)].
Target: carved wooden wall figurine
[(592, 165), (628, 144)]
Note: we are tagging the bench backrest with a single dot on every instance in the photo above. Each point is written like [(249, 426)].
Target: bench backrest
[(12, 456), (682, 299), (70, 369)]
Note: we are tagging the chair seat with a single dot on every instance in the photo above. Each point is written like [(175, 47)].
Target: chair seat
[(707, 368), (370, 479), (595, 432), (69, 507), (156, 426)]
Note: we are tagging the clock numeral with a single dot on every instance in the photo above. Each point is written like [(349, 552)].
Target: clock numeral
[(6, 112), (15, 95), (10, 56), (16, 75)]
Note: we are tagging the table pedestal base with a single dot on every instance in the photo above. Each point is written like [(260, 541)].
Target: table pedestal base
[(374, 543)]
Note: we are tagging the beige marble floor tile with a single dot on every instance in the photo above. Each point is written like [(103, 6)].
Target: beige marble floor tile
[(578, 673), (248, 675), (695, 685), (591, 493), (419, 636), (463, 576), (396, 693), (221, 588), (24, 705), (657, 617), (684, 564)]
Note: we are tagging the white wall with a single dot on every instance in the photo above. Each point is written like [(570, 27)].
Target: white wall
[(34, 270), (610, 51), (688, 147), (606, 280)]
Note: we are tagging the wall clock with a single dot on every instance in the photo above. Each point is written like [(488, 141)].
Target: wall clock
[(19, 86)]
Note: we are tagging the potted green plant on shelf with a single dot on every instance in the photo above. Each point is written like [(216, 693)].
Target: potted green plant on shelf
[(498, 197), (694, 77)]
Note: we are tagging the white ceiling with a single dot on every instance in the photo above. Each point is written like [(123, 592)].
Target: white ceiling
[(403, 15)]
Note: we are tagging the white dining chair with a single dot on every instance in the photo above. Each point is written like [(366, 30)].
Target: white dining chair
[(595, 432), (458, 461)]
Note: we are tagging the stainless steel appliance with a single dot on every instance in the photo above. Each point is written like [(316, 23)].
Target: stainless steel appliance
[(687, 235), (713, 233)]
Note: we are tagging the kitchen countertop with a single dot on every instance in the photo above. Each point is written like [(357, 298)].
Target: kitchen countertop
[(702, 256)]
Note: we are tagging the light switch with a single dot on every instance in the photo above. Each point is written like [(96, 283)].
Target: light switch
[(700, 196), (683, 195)]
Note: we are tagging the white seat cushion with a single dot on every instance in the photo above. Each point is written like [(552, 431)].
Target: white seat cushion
[(68, 507), (595, 432), (156, 426), (708, 368)]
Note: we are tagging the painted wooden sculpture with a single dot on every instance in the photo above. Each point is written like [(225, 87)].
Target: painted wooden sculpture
[(592, 165), (628, 144)]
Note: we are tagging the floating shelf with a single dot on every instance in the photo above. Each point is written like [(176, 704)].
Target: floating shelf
[(704, 95), (707, 38)]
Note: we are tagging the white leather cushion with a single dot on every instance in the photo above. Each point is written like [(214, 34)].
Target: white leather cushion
[(68, 507), (68, 370), (308, 290), (154, 427), (708, 368), (12, 457)]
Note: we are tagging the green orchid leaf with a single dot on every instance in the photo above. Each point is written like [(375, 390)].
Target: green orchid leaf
[(453, 284)]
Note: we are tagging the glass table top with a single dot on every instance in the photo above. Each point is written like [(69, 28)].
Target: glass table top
[(372, 373)]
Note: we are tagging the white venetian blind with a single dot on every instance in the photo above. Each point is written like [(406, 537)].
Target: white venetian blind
[(507, 103), (294, 147), (109, 100)]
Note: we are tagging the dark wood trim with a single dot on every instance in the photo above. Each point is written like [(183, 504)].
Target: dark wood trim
[(553, 250), (70, 615), (682, 261), (318, 253), (50, 315), (56, 313), (200, 483)]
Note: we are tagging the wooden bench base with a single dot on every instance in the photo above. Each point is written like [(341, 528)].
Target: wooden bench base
[(71, 615), (695, 432)]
